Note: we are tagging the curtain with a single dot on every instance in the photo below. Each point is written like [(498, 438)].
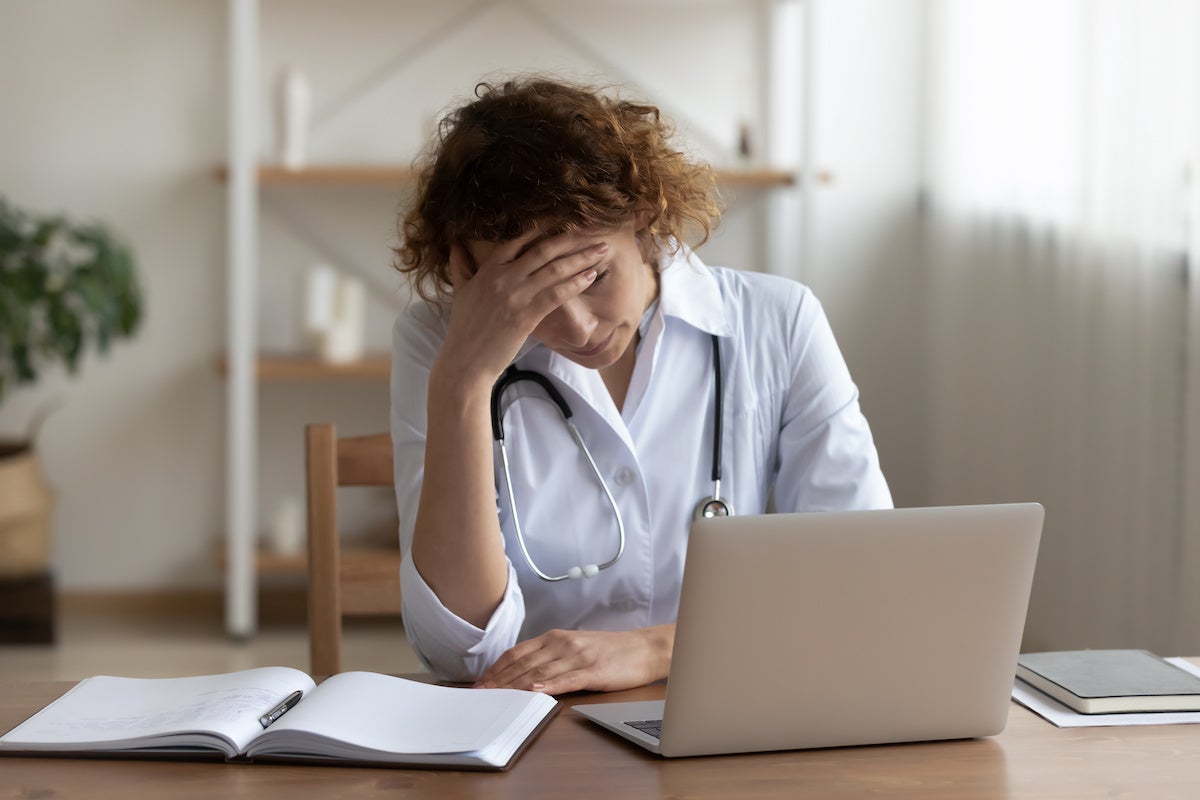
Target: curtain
[(1060, 221)]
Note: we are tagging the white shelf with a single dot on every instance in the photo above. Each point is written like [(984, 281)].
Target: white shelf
[(394, 175), (245, 175), (291, 367)]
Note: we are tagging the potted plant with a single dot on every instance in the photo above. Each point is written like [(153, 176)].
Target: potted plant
[(65, 287)]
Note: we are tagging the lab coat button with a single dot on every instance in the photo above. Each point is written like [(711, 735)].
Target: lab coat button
[(625, 476)]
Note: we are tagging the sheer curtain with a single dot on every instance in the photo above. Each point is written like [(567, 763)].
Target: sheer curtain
[(1061, 231)]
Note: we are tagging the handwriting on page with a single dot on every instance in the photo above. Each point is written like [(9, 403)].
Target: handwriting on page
[(205, 708)]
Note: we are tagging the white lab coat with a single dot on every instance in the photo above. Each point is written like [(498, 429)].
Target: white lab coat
[(791, 423)]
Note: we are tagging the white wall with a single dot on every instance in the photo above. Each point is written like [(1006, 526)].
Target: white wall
[(116, 109), (864, 259)]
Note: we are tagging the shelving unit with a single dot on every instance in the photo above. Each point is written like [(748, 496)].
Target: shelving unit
[(291, 367), (365, 174), (784, 106), (356, 560)]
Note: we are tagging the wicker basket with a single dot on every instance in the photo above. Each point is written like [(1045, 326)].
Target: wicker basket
[(26, 504)]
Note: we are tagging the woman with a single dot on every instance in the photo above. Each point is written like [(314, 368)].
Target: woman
[(547, 235)]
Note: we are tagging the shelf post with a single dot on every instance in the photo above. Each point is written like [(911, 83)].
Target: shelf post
[(784, 94), (242, 294)]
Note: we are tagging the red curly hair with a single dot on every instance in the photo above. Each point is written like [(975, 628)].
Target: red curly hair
[(541, 153)]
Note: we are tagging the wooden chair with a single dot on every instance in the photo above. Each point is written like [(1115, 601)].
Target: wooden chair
[(341, 581)]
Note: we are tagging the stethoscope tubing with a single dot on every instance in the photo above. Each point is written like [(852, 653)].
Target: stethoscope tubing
[(718, 410), (513, 375), (715, 506), (512, 503), (708, 507)]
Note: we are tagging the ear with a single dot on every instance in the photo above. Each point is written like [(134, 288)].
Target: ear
[(640, 220)]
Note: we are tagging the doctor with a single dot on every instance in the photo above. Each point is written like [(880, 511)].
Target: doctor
[(546, 238)]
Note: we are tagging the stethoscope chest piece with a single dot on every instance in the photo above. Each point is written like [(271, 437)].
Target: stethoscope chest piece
[(712, 507)]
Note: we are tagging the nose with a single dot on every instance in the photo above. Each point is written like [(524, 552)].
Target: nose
[(572, 323)]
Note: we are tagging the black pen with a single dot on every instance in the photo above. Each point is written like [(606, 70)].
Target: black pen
[(278, 711)]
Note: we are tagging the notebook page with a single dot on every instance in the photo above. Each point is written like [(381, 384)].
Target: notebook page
[(104, 712), (372, 712)]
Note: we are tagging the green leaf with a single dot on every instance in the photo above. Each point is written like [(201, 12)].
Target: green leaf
[(65, 287), (23, 363)]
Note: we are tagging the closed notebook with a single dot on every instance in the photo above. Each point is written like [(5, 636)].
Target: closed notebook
[(253, 715), (1111, 681)]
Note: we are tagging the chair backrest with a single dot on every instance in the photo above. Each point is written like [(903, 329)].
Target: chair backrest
[(343, 581)]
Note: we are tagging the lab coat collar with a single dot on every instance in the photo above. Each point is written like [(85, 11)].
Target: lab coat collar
[(586, 384), (690, 294)]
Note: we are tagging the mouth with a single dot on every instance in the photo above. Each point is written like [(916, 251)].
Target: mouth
[(594, 351)]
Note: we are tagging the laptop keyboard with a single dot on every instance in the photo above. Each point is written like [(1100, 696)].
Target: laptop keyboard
[(650, 727)]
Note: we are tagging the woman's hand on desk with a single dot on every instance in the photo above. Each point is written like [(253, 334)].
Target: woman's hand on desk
[(558, 662)]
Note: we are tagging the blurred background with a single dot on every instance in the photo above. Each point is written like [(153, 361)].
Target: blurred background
[(997, 203)]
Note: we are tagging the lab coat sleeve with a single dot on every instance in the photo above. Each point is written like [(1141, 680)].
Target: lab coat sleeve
[(827, 459), (448, 645)]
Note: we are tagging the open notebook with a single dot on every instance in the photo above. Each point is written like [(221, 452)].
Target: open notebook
[(354, 717)]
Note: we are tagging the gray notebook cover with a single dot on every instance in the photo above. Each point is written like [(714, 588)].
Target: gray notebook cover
[(1111, 673)]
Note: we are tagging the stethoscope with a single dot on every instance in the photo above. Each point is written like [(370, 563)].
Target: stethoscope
[(714, 506)]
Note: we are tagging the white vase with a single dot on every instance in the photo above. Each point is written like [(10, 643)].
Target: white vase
[(286, 535), (320, 294), (295, 112), (343, 340)]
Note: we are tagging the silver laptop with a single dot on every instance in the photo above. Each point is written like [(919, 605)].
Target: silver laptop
[(847, 628)]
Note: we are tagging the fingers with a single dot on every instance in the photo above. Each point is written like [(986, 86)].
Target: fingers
[(531, 675), (569, 246), (504, 663), (497, 306), (525, 664), (565, 277), (571, 661), (460, 266), (574, 681), (509, 251), (522, 302), (550, 265), (528, 254)]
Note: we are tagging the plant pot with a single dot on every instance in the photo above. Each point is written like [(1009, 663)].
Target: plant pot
[(26, 505)]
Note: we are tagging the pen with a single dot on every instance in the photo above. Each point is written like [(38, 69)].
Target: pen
[(281, 709)]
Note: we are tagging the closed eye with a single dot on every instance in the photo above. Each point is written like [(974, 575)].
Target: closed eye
[(599, 277)]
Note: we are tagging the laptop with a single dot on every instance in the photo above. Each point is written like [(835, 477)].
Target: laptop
[(841, 628)]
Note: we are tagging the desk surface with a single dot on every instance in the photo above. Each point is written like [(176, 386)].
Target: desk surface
[(573, 758)]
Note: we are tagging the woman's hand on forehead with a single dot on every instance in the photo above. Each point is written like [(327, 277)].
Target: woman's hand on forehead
[(533, 249), (502, 292)]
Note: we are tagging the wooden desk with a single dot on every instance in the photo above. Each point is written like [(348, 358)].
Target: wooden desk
[(574, 759)]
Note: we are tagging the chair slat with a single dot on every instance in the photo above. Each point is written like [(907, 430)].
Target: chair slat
[(343, 582), (365, 460)]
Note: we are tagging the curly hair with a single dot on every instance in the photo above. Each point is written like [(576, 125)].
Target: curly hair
[(540, 153)]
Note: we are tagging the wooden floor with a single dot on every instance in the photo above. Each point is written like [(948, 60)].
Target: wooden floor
[(99, 639)]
